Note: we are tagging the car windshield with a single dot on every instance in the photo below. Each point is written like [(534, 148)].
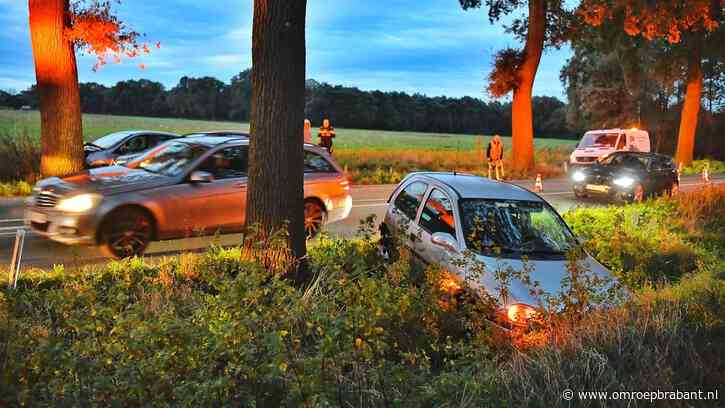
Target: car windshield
[(110, 139), (599, 140), (512, 229), (170, 159)]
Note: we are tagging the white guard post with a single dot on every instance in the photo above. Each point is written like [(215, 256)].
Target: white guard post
[(17, 257)]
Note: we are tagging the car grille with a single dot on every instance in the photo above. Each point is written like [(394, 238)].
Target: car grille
[(46, 199)]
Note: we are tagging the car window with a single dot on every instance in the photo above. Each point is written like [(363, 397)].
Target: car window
[(663, 163), (437, 214), (314, 163), (136, 144), (410, 198), (613, 159), (514, 228), (635, 162), (155, 139), (231, 162)]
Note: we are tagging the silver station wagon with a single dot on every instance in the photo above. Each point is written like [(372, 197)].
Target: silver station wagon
[(185, 187), (443, 216)]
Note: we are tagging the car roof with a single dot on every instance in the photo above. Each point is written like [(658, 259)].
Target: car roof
[(150, 132), (210, 141), (214, 140), (470, 186), (229, 133)]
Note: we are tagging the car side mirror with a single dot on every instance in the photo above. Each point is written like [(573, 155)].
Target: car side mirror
[(445, 241), (201, 177)]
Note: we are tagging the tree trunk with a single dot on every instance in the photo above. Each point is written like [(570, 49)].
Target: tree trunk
[(522, 128), (276, 156), (57, 77), (691, 107)]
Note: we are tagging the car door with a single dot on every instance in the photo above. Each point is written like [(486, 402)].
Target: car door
[(436, 216), (321, 178), (403, 212), (663, 173), (221, 204)]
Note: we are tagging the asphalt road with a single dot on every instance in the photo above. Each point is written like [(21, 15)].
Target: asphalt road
[(40, 252)]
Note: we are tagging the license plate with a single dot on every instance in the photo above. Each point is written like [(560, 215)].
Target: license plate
[(597, 187), (38, 218)]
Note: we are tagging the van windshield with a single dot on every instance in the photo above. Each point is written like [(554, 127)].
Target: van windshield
[(607, 140)]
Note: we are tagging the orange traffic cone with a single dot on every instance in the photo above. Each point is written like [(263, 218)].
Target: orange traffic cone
[(538, 187), (706, 174)]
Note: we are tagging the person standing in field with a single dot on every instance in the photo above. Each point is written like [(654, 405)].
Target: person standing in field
[(326, 134), (494, 154), (308, 131)]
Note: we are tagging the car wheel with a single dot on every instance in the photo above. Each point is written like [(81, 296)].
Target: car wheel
[(674, 189), (638, 194), (580, 194), (126, 233), (314, 218), (385, 245)]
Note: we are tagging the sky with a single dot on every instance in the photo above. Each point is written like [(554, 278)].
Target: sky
[(431, 47)]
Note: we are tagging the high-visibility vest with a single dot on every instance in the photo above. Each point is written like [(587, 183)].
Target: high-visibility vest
[(327, 132), (495, 151)]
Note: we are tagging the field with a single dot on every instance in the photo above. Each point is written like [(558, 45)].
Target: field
[(95, 126), (370, 156)]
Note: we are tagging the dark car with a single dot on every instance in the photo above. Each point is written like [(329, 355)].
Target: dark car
[(125, 145), (627, 176)]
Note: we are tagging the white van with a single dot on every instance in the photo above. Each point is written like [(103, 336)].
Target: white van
[(596, 144)]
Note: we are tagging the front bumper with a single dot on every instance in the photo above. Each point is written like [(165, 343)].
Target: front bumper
[(341, 210), (605, 190), (69, 229)]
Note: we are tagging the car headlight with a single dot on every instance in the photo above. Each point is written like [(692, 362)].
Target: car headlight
[(624, 181), (520, 313), (578, 176), (79, 203)]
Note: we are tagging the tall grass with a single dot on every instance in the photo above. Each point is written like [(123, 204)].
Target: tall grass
[(19, 157), (367, 166)]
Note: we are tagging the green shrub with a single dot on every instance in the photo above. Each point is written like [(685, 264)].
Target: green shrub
[(218, 329), (660, 239), (714, 166)]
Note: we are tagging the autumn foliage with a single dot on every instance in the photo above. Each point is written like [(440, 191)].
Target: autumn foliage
[(95, 29), (655, 19)]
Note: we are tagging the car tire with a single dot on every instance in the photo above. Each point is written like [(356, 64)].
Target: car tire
[(315, 217), (385, 245), (674, 189), (638, 193), (126, 233), (580, 194)]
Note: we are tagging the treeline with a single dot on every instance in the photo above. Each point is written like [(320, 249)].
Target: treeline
[(211, 99)]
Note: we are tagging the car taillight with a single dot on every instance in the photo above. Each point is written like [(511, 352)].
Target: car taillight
[(520, 313)]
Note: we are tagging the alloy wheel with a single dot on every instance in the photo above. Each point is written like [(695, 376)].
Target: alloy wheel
[(127, 234), (314, 218)]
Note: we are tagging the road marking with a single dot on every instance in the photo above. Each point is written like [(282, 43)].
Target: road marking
[(373, 200), (12, 228), (370, 205), (9, 220)]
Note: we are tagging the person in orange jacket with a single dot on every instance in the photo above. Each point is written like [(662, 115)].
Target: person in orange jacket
[(326, 134), (494, 153), (308, 131)]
